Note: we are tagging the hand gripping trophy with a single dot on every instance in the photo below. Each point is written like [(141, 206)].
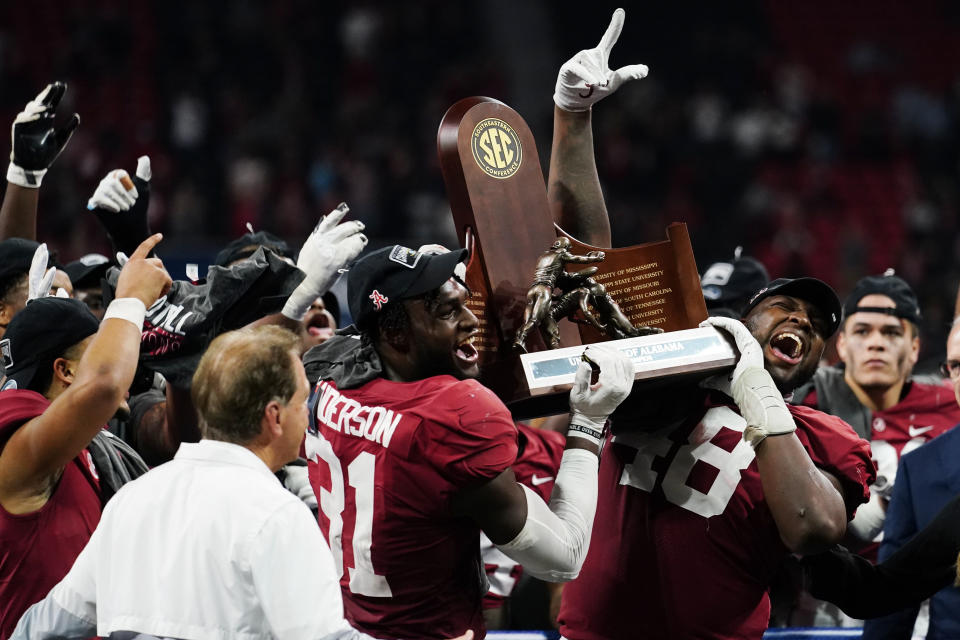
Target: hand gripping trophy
[(578, 291)]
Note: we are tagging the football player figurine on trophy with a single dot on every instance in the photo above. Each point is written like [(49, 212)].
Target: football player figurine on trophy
[(578, 291), (589, 292), (550, 267)]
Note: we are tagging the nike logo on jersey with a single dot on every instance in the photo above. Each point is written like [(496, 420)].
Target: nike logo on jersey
[(916, 431), (535, 481)]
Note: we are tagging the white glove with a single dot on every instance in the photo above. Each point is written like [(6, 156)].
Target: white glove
[(112, 195), (39, 278), (297, 481), (586, 77), (591, 405), (329, 249), (751, 355), (751, 386)]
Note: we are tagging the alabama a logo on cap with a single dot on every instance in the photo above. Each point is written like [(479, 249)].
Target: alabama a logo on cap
[(378, 299)]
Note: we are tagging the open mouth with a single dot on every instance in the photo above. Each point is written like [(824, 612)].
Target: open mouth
[(787, 346), (318, 326), (466, 351)]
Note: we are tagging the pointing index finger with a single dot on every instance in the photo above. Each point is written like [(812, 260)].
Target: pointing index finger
[(147, 246), (612, 34)]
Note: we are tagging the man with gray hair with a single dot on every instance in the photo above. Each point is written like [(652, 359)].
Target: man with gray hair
[(211, 544)]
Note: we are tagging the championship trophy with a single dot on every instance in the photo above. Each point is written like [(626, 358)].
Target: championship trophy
[(540, 294)]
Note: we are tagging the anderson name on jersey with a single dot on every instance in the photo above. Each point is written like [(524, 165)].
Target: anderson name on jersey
[(385, 460)]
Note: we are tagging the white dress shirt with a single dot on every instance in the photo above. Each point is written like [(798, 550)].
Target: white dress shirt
[(207, 546)]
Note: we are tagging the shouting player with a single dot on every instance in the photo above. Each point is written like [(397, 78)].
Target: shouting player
[(410, 457), (696, 512)]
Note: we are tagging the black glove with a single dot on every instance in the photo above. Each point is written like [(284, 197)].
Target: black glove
[(120, 205), (36, 144)]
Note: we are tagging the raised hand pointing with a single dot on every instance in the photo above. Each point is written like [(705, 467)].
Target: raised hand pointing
[(586, 77)]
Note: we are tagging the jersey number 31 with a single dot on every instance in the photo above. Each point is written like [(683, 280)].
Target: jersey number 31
[(359, 475)]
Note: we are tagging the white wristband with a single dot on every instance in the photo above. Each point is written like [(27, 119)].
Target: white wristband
[(130, 309), (22, 178)]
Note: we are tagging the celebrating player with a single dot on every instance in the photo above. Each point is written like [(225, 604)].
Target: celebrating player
[(67, 377), (697, 511), (410, 457)]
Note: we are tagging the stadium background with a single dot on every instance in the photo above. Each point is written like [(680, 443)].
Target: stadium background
[(821, 136)]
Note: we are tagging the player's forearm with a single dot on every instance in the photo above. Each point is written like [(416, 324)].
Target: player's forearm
[(110, 361), (573, 186), (18, 214), (102, 380), (554, 540), (581, 443), (807, 508)]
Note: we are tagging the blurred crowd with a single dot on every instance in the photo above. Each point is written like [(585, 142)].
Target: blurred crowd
[(821, 138), (820, 141)]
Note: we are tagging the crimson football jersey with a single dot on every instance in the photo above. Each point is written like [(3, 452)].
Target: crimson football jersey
[(385, 460), (536, 467), (925, 412), (37, 549), (684, 545)]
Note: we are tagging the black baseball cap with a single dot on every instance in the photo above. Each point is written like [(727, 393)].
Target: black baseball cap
[(895, 288), (812, 290), (88, 270), (396, 273), (248, 243), (725, 284), (16, 254), (41, 332)]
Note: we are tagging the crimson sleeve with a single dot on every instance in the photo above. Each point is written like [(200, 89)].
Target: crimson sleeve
[(472, 437), (835, 447)]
